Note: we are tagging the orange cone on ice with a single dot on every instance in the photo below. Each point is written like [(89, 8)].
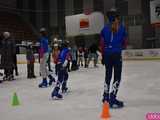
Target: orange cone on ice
[(105, 111)]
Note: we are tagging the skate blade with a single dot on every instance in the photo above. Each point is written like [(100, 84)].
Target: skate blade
[(56, 98), (67, 92), (51, 85), (42, 86), (116, 107)]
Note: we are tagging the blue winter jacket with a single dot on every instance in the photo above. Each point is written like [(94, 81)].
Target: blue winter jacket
[(113, 42), (63, 55), (44, 44)]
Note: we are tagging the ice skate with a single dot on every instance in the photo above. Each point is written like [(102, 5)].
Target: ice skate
[(55, 95), (105, 98), (44, 84), (65, 90), (114, 103), (11, 78), (51, 80)]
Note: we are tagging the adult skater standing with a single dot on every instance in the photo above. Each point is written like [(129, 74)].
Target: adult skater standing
[(7, 59), (113, 41), (43, 59), (63, 59), (30, 62)]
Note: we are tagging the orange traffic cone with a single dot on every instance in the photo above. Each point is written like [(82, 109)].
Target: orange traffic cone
[(105, 111)]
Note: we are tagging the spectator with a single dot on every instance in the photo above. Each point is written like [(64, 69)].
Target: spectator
[(69, 60), (80, 56), (9, 50), (1, 37), (86, 53), (30, 62), (74, 57), (93, 54), (15, 63)]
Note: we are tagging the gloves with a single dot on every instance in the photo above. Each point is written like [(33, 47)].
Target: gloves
[(65, 63)]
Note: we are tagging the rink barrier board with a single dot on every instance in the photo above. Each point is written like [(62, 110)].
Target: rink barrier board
[(136, 54), (141, 54), (126, 59)]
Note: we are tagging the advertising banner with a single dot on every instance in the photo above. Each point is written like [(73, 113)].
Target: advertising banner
[(155, 11), (82, 24)]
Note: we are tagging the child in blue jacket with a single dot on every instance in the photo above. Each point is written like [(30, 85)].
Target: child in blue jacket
[(63, 60)]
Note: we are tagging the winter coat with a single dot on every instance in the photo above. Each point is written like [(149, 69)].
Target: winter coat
[(8, 51), (55, 55), (30, 55)]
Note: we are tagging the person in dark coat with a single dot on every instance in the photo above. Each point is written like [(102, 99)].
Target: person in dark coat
[(30, 62), (7, 56), (15, 62), (74, 55), (1, 74), (86, 53), (93, 54)]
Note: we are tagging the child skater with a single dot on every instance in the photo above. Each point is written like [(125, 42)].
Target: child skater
[(55, 55), (63, 59), (30, 62)]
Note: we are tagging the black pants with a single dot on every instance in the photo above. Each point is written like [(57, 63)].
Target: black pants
[(62, 76), (15, 64), (8, 73), (68, 66), (85, 62), (112, 62), (30, 70), (16, 70), (74, 65), (49, 62), (56, 69)]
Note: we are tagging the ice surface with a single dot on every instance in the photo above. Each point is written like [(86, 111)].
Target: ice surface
[(140, 90)]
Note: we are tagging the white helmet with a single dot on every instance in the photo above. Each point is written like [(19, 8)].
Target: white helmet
[(6, 34), (55, 45), (42, 29)]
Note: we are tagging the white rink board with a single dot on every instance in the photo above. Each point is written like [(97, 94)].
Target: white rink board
[(138, 54), (141, 54)]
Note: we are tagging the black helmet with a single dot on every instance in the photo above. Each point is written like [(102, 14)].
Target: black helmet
[(43, 31), (64, 44), (112, 14)]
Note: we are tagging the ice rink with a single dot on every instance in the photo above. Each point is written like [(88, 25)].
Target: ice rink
[(140, 90)]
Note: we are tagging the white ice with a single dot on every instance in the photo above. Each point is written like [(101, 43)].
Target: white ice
[(139, 89)]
